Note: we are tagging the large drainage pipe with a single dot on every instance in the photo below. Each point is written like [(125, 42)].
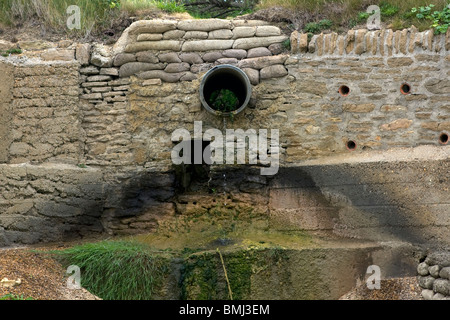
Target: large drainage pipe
[(225, 90)]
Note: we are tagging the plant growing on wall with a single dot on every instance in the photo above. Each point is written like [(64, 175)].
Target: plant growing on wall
[(440, 19), (224, 100)]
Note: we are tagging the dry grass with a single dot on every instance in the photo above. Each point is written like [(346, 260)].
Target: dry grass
[(344, 13), (96, 15)]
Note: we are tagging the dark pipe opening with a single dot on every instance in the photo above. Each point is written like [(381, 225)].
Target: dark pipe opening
[(189, 175), (405, 88), (225, 77), (443, 138), (351, 145), (344, 91)]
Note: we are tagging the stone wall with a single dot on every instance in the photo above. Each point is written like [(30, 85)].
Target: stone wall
[(46, 119), (133, 95), (113, 109), (434, 276)]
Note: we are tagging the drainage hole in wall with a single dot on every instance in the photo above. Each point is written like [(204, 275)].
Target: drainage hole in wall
[(351, 145), (443, 138), (405, 88), (344, 91)]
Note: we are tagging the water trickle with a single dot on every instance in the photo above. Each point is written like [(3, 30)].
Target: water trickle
[(224, 174), (224, 124), (225, 188)]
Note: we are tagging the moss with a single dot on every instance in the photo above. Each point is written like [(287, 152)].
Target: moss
[(199, 278), (203, 276)]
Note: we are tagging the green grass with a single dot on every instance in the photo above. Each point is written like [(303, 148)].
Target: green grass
[(118, 270), (170, 6), (10, 51), (316, 27), (14, 297)]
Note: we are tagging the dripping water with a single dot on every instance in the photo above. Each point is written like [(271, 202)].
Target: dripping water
[(224, 161), (214, 165)]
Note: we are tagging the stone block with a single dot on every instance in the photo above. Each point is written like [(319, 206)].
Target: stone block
[(177, 67), (123, 58), (441, 258), (426, 282), (252, 74), (396, 125), (58, 55), (275, 71), (434, 271), (188, 76), (399, 62), (35, 45), (276, 48), (150, 37), (83, 53), (366, 107), (243, 32), (258, 52), (212, 56), (204, 67), (230, 61), (147, 56), (99, 78), (445, 273), (204, 25), (207, 45), (152, 26), (171, 45), (132, 68), (262, 62), (267, 31), (438, 86), (169, 57), (190, 35), (441, 286), (191, 57), (220, 34), (160, 74), (235, 53), (174, 34), (109, 72), (248, 43)]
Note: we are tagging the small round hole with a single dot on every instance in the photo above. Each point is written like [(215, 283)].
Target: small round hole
[(405, 88), (344, 91), (443, 138), (351, 145)]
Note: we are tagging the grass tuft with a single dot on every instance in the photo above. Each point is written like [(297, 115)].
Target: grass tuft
[(118, 270)]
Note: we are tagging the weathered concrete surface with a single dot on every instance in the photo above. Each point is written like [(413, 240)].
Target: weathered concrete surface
[(383, 201), (402, 201), (294, 266), (6, 85)]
